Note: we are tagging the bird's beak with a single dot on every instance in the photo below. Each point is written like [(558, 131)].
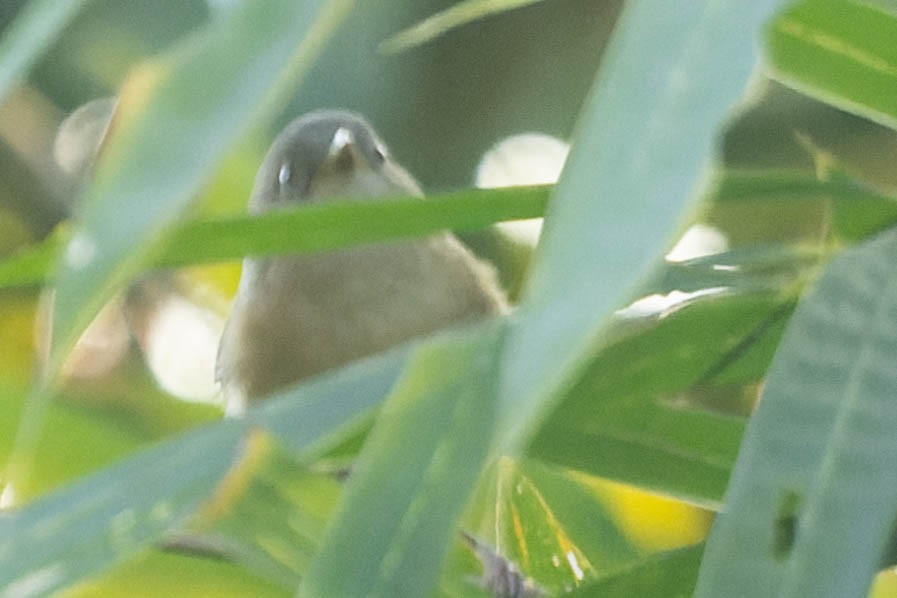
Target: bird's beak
[(343, 154)]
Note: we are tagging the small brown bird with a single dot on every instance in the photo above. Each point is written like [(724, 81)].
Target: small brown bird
[(296, 316)]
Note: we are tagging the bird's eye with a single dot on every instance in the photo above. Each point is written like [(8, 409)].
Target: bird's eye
[(285, 174)]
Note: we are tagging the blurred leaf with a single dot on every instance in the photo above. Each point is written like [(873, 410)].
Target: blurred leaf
[(391, 531), (156, 162), (812, 498), (668, 574), (30, 265), (455, 16), (110, 515), (840, 52), (858, 209), (313, 417), (158, 159), (270, 516), (35, 28), (311, 228), (78, 440), (158, 573), (737, 185), (670, 76)]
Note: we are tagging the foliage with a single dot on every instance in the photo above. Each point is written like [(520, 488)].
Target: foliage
[(483, 446)]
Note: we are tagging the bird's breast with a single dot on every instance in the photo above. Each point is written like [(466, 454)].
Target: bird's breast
[(302, 315)]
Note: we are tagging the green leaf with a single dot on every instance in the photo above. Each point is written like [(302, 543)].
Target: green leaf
[(341, 224), (160, 156), (859, 209), (30, 265), (106, 517), (392, 528), (813, 494), (270, 517), (312, 228), (453, 17), (840, 52), (754, 268), (671, 73), (670, 574), (783, 185), (621, 419), (36, 27), (548, 523)]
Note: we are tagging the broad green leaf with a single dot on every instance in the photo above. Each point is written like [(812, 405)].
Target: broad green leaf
[(23, 42), (812, 498), (391, 531), (669, 574), (677, 452), (670, 75), (312, 228), (106, 517), (455, 16), (207, 93), (840, 52), (621, 420)]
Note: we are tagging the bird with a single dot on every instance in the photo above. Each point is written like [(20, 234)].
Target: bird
[(296, 316)]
